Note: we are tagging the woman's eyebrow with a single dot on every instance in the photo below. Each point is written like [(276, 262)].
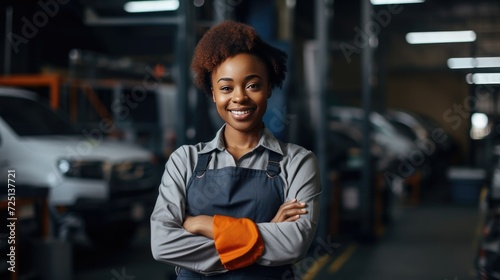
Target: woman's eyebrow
[(249, 77), (225, 79)]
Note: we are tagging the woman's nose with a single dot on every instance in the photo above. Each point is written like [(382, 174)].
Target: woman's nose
[(239, 95)]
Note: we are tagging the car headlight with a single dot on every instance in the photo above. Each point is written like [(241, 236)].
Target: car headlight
[(64, 166), (81, 169)]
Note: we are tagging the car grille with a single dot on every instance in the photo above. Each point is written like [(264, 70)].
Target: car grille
[(90, 170), (127, 177)]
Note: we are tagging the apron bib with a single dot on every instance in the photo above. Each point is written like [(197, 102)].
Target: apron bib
[(240, 193)]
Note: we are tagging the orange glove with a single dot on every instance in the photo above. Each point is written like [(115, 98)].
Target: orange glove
[(237, 241)]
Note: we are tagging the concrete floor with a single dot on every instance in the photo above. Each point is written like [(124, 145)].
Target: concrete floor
[(435, 240), (428, 242)]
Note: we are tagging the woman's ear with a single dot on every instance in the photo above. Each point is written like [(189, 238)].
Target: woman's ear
[(213, 95)]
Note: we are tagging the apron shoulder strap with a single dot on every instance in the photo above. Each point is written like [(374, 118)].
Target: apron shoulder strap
[(201, 166), (273, 164)]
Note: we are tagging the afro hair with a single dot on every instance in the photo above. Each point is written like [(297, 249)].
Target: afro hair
[(228, 39)]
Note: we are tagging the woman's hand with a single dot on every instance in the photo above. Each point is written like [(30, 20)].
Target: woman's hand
[(200, 225), (290, 211)]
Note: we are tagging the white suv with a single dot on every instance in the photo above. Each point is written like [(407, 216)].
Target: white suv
[(107, 186)]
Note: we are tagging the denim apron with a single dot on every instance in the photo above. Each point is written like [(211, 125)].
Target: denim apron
[(240, 193)]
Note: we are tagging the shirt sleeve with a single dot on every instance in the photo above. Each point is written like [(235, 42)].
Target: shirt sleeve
[(288, 242), (237, 241), (170, 242)]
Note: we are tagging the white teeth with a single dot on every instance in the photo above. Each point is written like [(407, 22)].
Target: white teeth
[(240, 112)]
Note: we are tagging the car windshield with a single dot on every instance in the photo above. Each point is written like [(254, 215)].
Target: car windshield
[(30, 118)]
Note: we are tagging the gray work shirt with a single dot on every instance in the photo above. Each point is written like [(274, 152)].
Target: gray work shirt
[(285, 243)]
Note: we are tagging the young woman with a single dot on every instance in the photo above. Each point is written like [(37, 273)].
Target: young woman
[(244, 205)]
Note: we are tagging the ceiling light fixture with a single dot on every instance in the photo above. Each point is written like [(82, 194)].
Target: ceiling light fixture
[(151, 6), (388, 2), (483, 79), (441, 37), (473, 62)]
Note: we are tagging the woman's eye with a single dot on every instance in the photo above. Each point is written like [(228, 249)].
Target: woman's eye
[(225, 88), (253, 86)]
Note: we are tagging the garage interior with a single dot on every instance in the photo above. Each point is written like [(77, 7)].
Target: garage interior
[(406, 133)]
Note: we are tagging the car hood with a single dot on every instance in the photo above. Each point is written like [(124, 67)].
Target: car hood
[(81, 148)]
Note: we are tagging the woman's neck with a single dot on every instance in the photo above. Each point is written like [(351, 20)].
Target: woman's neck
[(239, 143)]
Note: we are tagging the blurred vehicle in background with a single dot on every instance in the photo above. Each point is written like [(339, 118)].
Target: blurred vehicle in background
[(438, 146), (387, 149), (344, 145), (384, 133), (408, 153), (345, 164), (393, 149), (103, 186)]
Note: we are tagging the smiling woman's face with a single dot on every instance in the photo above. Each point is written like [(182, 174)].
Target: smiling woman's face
[(240, 89)]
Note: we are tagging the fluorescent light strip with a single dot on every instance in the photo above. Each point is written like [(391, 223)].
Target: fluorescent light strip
[(388, 2), (473, 62), (151, 6), (441, 37), (483, 78)]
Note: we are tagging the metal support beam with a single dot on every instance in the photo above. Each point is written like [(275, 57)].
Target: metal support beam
[(366, 92), (324, 14), (7, 51), (382, 55), (183, 52), (471, 144)]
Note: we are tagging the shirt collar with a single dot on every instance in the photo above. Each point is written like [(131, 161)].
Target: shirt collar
[(267, 140)]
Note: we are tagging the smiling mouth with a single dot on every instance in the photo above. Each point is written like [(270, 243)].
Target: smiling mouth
[(240, 112)]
